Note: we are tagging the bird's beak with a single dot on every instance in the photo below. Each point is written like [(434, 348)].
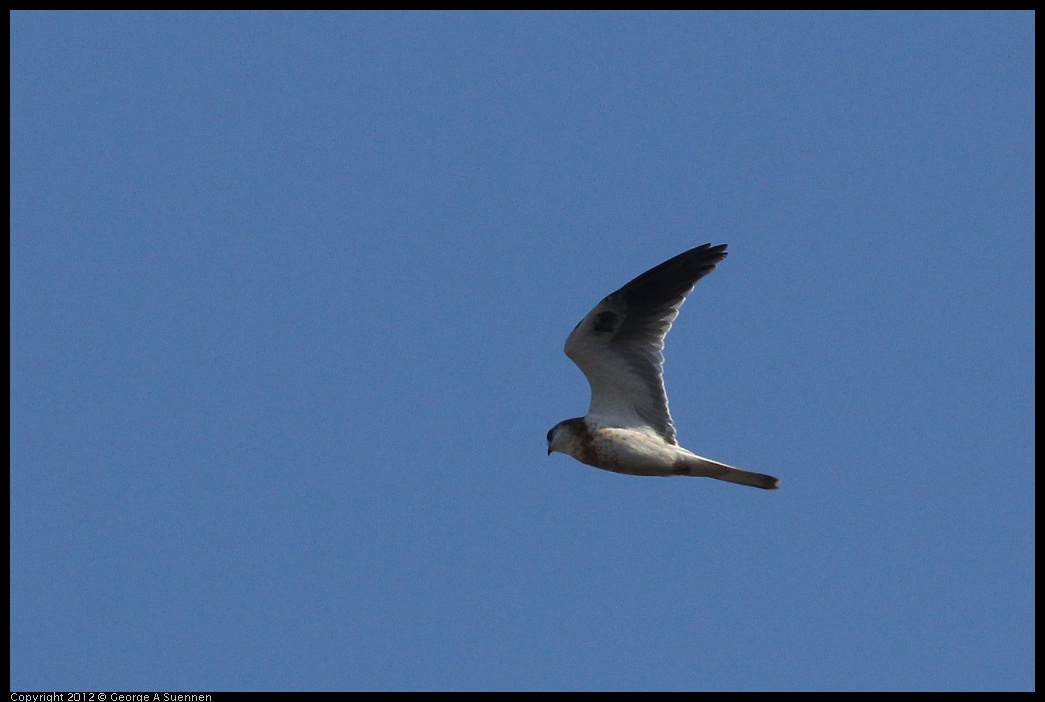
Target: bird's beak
[(549, 450)]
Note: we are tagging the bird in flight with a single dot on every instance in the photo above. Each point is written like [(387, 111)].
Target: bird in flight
[(619, 348)]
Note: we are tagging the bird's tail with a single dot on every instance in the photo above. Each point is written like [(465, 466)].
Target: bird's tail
[(700, 467)]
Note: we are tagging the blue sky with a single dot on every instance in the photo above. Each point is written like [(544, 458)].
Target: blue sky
[(288, 300)]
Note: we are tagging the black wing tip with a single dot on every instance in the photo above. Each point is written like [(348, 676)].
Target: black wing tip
[(716, 252), (684, 269), (701, 256)]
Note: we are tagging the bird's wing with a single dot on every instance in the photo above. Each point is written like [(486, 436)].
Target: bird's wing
[(619, 345)]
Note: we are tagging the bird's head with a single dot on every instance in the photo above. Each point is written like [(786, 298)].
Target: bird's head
[(559, 437)]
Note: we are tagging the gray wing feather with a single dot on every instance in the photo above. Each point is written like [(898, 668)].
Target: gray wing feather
[(619, 345)]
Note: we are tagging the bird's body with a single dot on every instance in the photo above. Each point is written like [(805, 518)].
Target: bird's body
[(619, 347)]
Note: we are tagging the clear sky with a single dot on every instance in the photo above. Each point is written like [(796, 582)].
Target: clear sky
[(288, 300)]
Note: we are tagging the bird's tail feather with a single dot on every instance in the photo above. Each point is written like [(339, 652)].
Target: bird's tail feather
[(700, 467)]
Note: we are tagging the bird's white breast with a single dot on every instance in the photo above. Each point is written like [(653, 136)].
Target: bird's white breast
[(637, 451)]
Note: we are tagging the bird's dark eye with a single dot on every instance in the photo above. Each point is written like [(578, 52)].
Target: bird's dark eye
[(550, 432)]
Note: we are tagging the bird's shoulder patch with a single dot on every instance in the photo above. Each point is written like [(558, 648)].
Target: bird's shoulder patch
[(606, 322)]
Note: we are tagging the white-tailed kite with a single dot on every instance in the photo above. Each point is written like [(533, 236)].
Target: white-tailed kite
[(619, 347)]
